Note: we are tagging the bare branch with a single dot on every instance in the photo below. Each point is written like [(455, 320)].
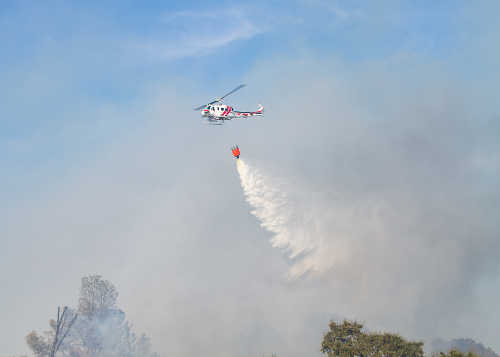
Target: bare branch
[(60, 327), (66, 333)]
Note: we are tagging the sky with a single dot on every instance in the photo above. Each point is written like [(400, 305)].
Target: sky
[(381, 128)]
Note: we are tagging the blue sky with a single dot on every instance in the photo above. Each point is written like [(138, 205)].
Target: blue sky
[(97, 98), (110, 52), (63, 56)]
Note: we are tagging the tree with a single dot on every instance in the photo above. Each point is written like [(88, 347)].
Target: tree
[(97, 296), (344, 339), (101, 329), (102, 323), (456, 353), (62, 327), (38, 344), (51, 343), (347, 339), (462, 345)]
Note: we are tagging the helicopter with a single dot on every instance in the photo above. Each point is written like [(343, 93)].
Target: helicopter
[(216, 112)]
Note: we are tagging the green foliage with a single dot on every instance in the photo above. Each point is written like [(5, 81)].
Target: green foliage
[(347, 339), (455, 353)]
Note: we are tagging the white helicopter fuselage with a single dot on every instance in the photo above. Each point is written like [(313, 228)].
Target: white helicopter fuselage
[(219, 111)]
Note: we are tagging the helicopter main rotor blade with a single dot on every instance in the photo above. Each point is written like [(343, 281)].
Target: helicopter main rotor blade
[(220, 99), (204, 105), (200, 107), (234, 90)]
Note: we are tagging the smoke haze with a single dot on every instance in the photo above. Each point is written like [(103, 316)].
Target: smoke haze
[(390, 219), (374, 175)]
